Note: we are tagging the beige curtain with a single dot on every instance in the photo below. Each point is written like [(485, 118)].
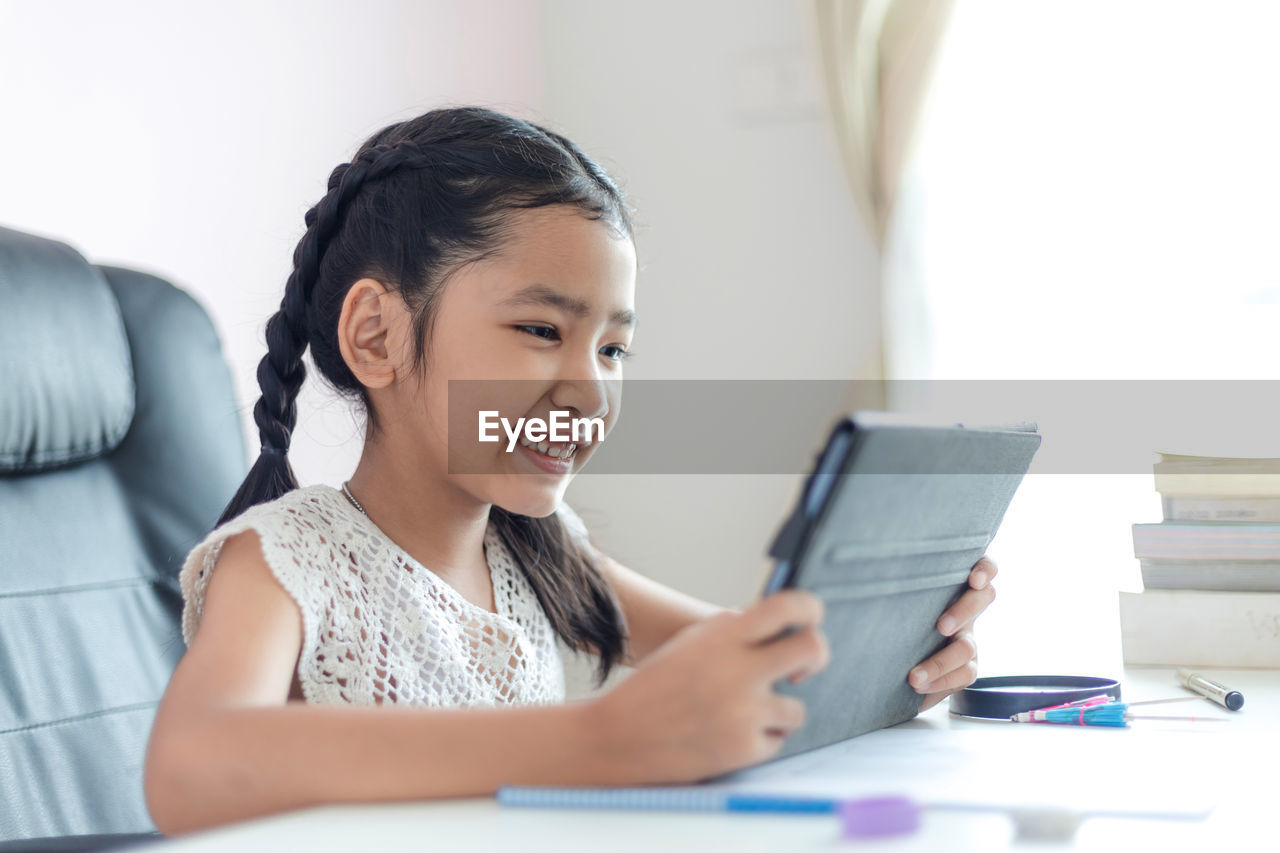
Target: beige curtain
[(877, 57)]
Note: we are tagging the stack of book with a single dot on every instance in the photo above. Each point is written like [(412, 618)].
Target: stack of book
[(1211, 569)]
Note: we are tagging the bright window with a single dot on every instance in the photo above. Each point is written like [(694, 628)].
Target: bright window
[(1095, 195)]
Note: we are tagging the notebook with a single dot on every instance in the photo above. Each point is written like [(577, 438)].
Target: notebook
[(886, 529)]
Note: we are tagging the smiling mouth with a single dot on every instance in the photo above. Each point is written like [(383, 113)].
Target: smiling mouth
[(556, 450)]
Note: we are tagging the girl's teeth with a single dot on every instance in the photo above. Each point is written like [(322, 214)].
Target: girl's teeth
[(545, 448)]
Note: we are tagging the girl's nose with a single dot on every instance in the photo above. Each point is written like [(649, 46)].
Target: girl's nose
[(589, 397), (583, 385)]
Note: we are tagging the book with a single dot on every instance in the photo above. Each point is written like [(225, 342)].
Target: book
[(1183, 540), (1229, 575), (1203, 476), (1222, 508), (1200, 628)]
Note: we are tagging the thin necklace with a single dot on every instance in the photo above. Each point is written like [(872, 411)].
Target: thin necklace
[(353, 500)]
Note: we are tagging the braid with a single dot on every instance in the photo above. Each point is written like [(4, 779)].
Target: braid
[(281, 371)]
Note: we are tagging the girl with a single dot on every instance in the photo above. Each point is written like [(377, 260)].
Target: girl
[(397, 638)]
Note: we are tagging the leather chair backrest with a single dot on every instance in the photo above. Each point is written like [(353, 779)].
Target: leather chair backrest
[(120, 444)]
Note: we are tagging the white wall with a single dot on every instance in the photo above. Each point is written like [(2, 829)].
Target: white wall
[(754, 263), (188, 140)]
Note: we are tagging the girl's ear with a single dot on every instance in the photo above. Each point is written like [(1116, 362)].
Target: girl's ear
[(371, 332)]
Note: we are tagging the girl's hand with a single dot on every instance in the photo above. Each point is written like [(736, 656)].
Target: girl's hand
[(703, 703), (956, 666)]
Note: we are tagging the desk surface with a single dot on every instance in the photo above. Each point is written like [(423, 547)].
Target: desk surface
[(1244, 812)]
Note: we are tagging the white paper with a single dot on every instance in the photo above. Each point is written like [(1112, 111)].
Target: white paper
[(1161, 770)]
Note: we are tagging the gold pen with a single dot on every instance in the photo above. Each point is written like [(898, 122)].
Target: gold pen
[(1232, 700)]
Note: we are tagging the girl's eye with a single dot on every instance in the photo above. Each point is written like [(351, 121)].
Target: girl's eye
[(547, 333), (619, 352)]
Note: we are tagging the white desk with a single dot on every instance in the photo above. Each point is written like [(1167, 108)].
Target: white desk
[(1242, 770)]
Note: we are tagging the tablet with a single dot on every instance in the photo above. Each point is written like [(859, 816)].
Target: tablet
[(890, 521)]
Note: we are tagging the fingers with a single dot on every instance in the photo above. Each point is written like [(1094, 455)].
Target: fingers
[(786, 714), (799, 655), (955, 665), (768, 617), (966, 609), (975, 600), (956, 679), (983, 572)]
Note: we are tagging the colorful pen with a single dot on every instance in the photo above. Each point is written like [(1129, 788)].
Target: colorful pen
[(681, 799)]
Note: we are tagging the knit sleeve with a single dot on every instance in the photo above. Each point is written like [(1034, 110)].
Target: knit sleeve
[(200, 563)]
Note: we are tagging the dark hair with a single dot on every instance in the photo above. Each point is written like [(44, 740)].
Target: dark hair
[(419, 199)]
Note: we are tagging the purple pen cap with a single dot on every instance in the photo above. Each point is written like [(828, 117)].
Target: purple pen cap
[(879, 817)]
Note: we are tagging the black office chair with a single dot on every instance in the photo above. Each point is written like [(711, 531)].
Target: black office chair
[(119, 446)]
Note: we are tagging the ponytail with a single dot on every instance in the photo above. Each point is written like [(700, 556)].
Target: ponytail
[(577, 599)]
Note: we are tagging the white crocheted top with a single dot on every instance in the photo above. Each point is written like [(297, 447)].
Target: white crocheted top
[(380, 627)]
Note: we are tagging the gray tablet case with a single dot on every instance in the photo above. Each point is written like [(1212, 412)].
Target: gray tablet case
[(889, 523)]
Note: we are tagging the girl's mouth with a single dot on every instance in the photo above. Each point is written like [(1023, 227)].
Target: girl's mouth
[(553, 457)]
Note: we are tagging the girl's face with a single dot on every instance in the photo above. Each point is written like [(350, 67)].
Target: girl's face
[(542, 325)]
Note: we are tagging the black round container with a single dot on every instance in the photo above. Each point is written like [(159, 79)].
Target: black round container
[(1001, 697)]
